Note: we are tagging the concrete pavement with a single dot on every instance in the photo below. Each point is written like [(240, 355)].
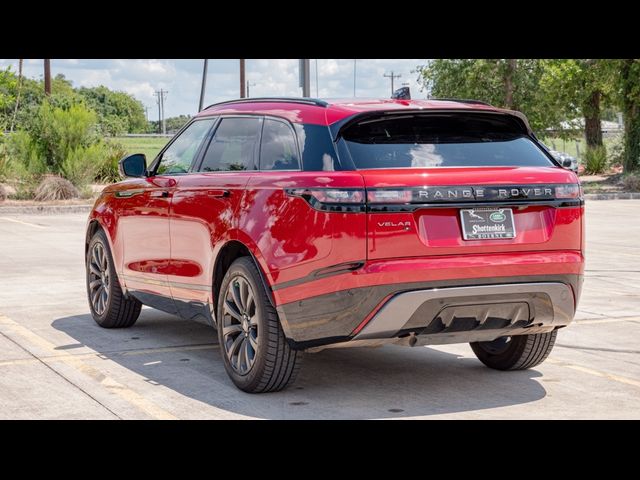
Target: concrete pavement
[(55, 362)]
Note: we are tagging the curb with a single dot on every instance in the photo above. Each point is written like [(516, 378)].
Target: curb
[(613, 196), (44, 209)]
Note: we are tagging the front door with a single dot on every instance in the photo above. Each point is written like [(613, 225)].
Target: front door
[(143, 226)]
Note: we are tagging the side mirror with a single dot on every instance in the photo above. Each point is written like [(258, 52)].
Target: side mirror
[(567, 163), (133, 165)]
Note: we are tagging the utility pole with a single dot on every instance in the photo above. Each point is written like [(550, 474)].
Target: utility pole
[(354, 78), (392, 76), (242, 79), (305, 80), (162, 125), (47, 76), (248, 86), (204, 83), (317, 95)]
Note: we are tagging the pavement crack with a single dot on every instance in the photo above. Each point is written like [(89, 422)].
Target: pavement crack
[(28, 352)]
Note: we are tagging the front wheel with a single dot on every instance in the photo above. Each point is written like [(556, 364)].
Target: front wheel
[(515, 353), (254, 350), (110, 308)]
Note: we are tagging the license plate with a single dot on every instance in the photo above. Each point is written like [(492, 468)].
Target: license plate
[(487, 223)]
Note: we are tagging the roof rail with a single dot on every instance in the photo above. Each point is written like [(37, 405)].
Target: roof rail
[(463, 100), (304, 100)]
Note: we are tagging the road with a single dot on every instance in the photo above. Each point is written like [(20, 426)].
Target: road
[(55, 362)]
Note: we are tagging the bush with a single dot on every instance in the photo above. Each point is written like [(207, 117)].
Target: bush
[(631, 182), (3, 193), (595, 160), (108, 171), (82, 164), (54, 187)]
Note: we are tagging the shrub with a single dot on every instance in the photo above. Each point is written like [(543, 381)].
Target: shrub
[(3, 193), (595, 160), (54, 187), (82, 164), (631, 182), (108, 171)]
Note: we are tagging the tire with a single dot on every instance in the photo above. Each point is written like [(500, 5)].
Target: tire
[(253, 327), (515, 353), (114, 310)]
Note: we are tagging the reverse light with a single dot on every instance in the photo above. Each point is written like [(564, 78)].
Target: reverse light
[(389, 196), (571, 190)]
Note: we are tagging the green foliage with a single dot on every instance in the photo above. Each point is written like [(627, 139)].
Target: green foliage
[(628, 96), (82, 164), (173, 124), (108, 171), (118, 112), (631, 182), (494, 81), (595, 160)]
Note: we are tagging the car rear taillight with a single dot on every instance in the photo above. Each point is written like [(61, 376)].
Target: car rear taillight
[(389, 196), (331, 199), (572, 190)]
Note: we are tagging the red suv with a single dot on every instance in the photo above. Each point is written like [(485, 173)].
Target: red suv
[(295, 224)]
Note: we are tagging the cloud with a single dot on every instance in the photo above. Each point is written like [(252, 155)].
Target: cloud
[(181, 78)]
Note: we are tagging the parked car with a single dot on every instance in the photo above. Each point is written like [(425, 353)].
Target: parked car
[(565, 160), (295, 224)]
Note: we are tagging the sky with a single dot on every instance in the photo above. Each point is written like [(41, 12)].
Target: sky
[(182, 78)]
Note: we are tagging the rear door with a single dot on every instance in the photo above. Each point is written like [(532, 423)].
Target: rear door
[(421, 171)]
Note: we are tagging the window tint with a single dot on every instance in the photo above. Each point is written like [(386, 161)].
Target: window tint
[(178, 157), (278, 149), (233, 146), (441, 141), (316, 145)]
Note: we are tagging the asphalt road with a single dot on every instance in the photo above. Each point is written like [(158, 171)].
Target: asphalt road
[(55, 362)]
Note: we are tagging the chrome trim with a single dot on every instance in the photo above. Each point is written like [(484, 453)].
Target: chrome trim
[(393, 316)]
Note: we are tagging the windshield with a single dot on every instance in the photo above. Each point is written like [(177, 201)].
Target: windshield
[(441, 140)]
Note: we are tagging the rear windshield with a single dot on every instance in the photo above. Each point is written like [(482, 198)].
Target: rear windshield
[(441, 140)]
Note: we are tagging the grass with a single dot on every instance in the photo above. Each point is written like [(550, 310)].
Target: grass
[(571, 146), (150, 146)]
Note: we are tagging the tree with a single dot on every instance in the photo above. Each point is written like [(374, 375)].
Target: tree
[(580, 88), (118, 112), (507, 83), (629, 99)]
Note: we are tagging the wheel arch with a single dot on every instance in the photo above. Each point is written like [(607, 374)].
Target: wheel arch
[(230, 251)]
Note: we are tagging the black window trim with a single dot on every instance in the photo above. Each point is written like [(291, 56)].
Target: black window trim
[(212, 133), (295, 139), (152, 169)]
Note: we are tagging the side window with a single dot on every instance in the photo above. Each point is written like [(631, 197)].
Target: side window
[(178, 157), (233, 146), (278, 149)]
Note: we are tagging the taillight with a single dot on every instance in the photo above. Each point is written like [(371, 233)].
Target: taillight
[(331, 199), (389, 196), (571, 190)]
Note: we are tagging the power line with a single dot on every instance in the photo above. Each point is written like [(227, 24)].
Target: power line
[(391, 76)]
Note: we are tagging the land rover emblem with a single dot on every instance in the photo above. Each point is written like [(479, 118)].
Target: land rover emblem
[(497, 217)]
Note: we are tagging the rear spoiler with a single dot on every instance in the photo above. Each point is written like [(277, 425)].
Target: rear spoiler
[(337, 127)]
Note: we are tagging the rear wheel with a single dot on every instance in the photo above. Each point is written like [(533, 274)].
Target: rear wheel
[(254, 350), (515, 353), (109, 306)]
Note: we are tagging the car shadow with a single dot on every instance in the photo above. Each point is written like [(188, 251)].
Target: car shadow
[(358, 383)]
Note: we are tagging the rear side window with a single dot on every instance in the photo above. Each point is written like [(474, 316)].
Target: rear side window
[(278, 150), (316, 145), (441, 140), (233, 146)]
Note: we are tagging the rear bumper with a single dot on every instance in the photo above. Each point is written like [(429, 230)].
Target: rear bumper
[(445, 311)]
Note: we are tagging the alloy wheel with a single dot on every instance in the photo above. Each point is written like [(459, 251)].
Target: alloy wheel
[(99, 279), (240, 325)]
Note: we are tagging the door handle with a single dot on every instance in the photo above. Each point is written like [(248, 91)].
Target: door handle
[(218, 193)]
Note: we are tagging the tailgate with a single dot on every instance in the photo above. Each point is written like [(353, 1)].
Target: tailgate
[(417, 212)]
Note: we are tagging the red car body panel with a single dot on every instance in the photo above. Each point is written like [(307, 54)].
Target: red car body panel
[(166, 233)]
